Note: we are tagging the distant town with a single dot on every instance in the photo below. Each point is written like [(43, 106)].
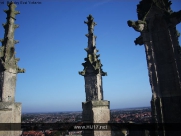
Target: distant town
[(131, 115)]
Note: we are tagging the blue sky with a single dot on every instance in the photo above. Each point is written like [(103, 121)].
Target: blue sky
[(51, 49)]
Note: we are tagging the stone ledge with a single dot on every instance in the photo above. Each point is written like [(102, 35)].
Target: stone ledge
[(96, 103), (9, 105), (6, 109), (6, 105)]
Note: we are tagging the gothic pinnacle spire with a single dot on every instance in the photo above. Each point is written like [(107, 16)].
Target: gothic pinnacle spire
[(92, 66), (95, 109), (90, 23), (8, 75), (8, 62)]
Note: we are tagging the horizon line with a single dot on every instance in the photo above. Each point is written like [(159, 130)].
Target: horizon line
[(81, 111)]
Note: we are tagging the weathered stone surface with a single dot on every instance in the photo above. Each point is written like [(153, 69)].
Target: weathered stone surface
[(92, 67), (93, 87), (95, 109), (8, 62), (96, 112), (8, 85), (10, 112), (160, 38)]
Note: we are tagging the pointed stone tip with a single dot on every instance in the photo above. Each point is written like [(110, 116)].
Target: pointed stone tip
[(98, 55), (16, 26), (82, 73), (87, 35), (17, 12), (90, 17), (17, 59), (104, 74), (86, 49), (11, 4), (6, 10), (16, 41)]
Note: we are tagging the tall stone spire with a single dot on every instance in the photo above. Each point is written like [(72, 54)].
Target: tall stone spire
[(92, 67), (8, 62), (157, 26), (10, 111), (95, 109)]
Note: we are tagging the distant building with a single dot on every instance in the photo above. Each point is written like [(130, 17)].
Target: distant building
[(33, 133)]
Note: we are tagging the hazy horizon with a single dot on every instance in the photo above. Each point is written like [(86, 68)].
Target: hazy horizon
[(81, 110)]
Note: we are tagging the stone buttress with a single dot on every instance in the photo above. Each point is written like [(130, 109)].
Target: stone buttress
[(157, 26)]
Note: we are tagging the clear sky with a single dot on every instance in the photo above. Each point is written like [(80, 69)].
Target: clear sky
[(51, 49)]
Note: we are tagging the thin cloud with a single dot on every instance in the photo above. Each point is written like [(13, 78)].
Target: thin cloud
[(101, 3)]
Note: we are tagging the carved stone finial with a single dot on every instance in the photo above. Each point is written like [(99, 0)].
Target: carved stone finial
[(92, 64), (90, 23), (11, 12), (8, 60)]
